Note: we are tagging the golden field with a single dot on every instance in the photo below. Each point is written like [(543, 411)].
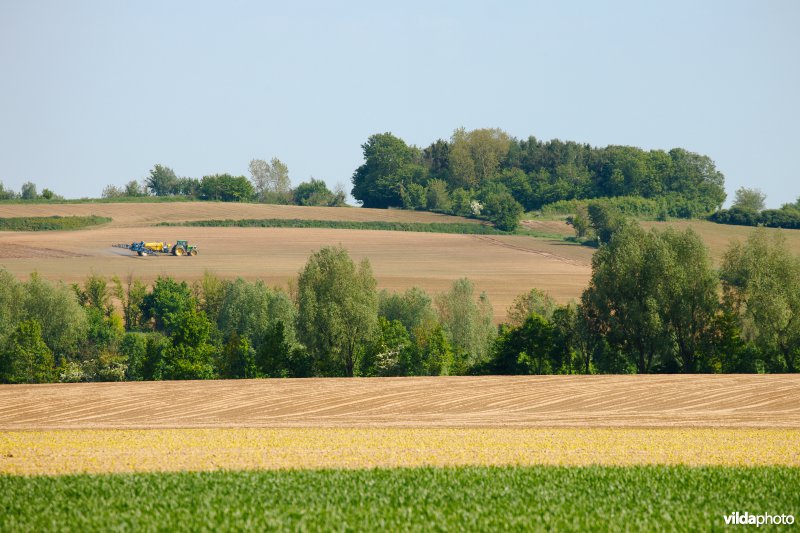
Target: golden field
[(98, 451)]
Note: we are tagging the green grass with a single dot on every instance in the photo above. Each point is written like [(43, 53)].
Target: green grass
[(50, 223), (428, 227), (473, 498)]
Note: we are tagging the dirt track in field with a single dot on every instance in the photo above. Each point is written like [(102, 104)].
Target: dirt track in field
[(759, 401), (502, 266)]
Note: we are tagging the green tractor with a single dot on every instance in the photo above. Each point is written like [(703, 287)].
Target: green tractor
[(183, 248)]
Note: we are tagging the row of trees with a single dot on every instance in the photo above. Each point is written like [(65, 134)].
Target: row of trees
[(334, 323), (654, 304), (749, 210), (269, 183), (477, 164), (28, 191)]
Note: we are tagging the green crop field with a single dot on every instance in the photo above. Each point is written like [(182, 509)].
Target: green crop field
[(473, 498), (53, 223)]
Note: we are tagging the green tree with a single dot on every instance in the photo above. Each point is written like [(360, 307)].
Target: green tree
[(390, 167), (162, 181), (436, 197), (238, 359), (131, 297), (134, 190), (653, 295), (249, 310), (580, 221), (56, 308), (112, 191), (166, 302), (26, 358), (316, 192), (12, 303), (475, 156), (413, 309), (337, 309), (414, 197), (133, 347), (270, 179), (533, 301), (226, 188), (28, 191), (761, 282), (751, 199), (624, 294), (390, 353), (210, 293), (688, 295), (468, 323), (6, 194), (190, 356), (503, 211), (524, 349), (605, 221)]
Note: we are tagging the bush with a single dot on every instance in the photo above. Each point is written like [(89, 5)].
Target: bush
[(503, 211), (787, 218)]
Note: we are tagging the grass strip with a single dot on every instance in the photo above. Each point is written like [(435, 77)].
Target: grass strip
[(426, 227), (54, 223), (473, 498)]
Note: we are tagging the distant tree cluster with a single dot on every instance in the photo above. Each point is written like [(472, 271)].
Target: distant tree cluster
[(269, 183), (654, 304), (28, 191), (748, 210), (488, 173)]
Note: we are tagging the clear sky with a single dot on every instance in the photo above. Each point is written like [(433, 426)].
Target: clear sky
[(96, 93)]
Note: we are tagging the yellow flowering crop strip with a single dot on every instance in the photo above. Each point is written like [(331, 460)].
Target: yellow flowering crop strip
[(99, 451)]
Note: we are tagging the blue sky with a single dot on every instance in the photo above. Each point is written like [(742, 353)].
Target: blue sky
[(95, 93)]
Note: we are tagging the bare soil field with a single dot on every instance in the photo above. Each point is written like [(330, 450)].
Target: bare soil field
[(502, 266), (689, 401), (146, 214)]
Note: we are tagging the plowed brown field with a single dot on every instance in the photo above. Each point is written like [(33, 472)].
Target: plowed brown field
[(521, 401), (503, 266)]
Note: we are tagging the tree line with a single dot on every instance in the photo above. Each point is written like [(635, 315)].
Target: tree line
[(28, 191), (473, 169), (748, 209), (268, 183), (654, 303)]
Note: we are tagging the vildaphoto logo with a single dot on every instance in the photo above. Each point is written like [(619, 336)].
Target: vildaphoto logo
[(747, 519)]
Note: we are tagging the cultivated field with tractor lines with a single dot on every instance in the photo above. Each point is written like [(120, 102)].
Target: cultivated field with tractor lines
[(503, 266), (728, 420)]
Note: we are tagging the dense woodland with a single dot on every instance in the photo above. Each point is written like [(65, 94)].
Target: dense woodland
[(490, 167), (654, 304)]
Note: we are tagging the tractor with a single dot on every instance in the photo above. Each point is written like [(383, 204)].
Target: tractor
[(184, 248)]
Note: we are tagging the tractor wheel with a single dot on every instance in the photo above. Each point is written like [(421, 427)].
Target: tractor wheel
[(193, 253), (179, 251)]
